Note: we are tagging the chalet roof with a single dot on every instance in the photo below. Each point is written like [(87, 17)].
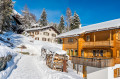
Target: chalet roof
[(41, 28), (112, 24)]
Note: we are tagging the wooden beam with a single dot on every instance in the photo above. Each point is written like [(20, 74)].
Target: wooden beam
[(110, 37), (94, 38)]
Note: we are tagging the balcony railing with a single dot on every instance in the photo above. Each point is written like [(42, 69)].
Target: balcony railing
[(94, 62), (98, 44)]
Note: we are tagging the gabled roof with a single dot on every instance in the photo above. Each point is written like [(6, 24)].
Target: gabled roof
[(112, 24), (42, 28)]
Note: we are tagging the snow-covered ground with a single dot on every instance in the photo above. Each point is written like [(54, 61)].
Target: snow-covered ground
[(31, 66)]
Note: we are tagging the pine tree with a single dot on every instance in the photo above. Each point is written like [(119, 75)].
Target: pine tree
[(43, 18), (61, 25), (68, 15), (75, 22), (28, 18), (6, 11)]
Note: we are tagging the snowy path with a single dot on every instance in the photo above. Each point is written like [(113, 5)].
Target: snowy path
[(26, 69)]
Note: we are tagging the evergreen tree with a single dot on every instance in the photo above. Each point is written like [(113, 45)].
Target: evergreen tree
[(28, 18), (6, 11), (43, 18), (61, 25), (75, 22)]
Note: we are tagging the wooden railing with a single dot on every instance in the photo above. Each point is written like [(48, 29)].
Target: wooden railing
[(98, 44), (94, 62)]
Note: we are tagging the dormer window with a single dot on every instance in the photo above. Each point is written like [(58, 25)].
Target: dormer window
[(70, 40), (88, 38)]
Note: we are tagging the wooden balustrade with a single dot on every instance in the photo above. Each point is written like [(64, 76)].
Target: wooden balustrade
[(98, 44), (94, 62)]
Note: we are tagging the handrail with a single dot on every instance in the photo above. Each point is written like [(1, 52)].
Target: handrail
[(95, 62)]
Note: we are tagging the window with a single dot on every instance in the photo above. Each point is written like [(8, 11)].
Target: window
[(68, 53), (36, 33), (70, 40), (71, 52), (49, 39), (37, 38), (94, 53), (54, 35), (88, 38), (101, 53), (82, 53), (43, 39), (46, 33), (76, 53), (97, 52)]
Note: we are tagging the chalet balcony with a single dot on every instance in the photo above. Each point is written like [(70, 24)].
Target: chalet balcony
[(98, 44), (94, 62)]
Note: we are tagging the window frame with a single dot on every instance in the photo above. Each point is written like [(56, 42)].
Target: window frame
[(88, 38)]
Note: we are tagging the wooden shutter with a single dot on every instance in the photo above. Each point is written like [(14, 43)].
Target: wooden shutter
[(118, 53), (115, 73)]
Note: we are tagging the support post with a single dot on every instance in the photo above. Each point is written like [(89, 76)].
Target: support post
[(94, 39), (110, 37)]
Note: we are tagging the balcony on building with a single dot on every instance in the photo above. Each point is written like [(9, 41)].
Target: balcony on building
[(94, 62)]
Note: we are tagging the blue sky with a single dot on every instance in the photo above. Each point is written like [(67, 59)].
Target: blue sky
[(89, 11)]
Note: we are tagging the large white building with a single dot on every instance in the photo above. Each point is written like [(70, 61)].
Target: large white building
[(45, 33)]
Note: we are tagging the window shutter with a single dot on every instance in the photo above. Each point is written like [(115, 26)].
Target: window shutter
[(115, 73)]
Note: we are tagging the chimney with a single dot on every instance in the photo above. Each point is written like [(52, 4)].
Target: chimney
[(80, 26)]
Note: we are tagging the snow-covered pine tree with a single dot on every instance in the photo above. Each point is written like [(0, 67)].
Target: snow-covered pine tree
[(29, 19), (43, 18), (75, 22), (68, 15), (61, 25), (6, 11)]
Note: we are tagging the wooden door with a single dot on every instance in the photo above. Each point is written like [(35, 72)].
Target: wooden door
[(84, 71)]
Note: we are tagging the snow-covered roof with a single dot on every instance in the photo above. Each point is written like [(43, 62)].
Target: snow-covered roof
[(112, 24), (35, 24), (40, 28)]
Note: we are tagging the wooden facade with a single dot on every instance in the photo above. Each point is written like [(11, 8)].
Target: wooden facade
[(100, 44), (96, 49)]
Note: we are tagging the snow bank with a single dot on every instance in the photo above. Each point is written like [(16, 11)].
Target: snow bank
[(10, 66), (53, 49), (52, 74), (5, 51)]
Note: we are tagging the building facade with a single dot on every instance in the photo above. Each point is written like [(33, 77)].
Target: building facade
[(94, 50), (46, 33)]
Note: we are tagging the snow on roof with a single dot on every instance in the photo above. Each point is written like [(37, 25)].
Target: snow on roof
[(112, 24), (35, 24), (38, 28), (54, 49)]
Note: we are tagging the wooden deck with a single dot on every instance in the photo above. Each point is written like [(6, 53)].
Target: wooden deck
[(94, 62)]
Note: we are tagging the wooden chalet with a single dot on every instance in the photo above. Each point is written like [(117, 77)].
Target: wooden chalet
[(95, 46)]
